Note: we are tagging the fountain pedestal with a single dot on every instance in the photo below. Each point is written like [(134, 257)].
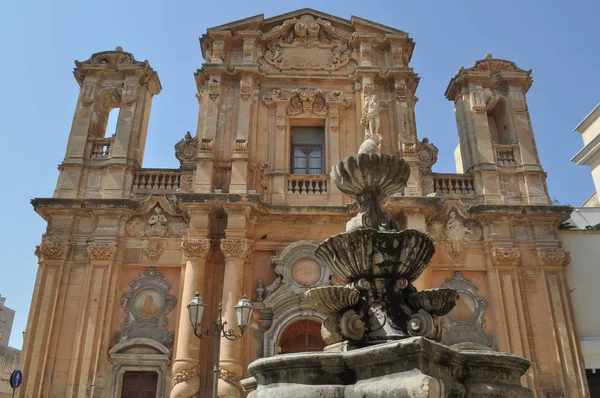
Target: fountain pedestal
[(412, 367)]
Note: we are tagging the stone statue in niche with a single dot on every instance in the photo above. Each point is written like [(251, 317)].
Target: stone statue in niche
[(455, 229), (370, 118), (157, 223), (147, 305)]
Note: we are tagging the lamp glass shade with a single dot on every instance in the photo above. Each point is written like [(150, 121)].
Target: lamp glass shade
[(196, 309), (243, 311)]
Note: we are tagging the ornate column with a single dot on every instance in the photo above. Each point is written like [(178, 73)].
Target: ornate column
[(186, 382), (236, 252)]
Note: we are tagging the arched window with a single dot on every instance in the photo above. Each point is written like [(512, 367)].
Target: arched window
[(106, 113), (301, 336), (499, 123), (111, 123)]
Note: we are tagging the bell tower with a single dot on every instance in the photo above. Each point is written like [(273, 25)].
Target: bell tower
[(496, 141), (100, 163)]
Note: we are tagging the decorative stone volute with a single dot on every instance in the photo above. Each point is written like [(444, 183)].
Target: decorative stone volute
[(195, 248), (102, 251), (236, 248), (186, 151)]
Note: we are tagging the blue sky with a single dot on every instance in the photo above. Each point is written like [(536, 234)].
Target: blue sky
[(39, 41)]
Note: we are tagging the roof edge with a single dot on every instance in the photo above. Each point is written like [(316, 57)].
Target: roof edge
[(588, 120)]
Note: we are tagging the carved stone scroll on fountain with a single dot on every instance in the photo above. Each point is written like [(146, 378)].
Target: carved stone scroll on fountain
[(147, 306)]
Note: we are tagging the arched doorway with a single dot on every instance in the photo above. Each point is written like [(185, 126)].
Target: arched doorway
[(301, 336)]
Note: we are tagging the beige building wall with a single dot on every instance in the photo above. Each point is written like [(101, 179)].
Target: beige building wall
[(584, 276), (9, 361), (126, 247), (589, 155)]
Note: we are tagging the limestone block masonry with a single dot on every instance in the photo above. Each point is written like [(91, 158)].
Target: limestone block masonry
[(281, 100)]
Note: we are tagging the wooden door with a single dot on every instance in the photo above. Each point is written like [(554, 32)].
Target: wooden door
[(139, 385)]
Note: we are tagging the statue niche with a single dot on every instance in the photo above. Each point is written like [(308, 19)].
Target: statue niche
[(306, 43)]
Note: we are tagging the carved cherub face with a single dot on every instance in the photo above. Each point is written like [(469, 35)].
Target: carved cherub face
[(158, 210)]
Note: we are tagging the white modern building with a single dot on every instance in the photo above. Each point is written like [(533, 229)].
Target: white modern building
[(583, 243)]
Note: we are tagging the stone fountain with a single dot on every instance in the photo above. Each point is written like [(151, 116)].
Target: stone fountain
[(382, 334)]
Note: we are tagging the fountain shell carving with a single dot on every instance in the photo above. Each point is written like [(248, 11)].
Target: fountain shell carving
[(331, 300), (372, 254), (437, 302), (372, 174)]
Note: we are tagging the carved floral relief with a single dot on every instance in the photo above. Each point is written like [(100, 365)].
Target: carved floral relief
[(102, 251), (505, 256), (52, 249), (307, 43), (556, 257)]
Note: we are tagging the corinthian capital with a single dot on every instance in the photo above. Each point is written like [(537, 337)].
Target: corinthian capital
[(556, 257), (102, 251), (505, 256), (195, 248), (235, 248), (50, 249)]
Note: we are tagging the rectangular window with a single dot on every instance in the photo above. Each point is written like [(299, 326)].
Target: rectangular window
[(307, 150)]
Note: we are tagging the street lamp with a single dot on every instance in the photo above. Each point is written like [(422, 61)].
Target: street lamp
[(243, 312)]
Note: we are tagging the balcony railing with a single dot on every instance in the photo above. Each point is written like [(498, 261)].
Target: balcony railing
[(160, 180), (453, 184), (307, 184), (505, 155), (100, 148)]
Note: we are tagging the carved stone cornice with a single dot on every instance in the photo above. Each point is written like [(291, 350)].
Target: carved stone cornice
[(505, 256), (195, 248), (230, 378), (553, 257), (102, 251), (50, 249), (236, 248)]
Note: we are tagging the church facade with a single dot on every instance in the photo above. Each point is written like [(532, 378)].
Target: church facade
[(281, 100)]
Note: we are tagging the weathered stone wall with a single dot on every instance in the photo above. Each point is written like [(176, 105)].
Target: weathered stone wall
[(9, 361)]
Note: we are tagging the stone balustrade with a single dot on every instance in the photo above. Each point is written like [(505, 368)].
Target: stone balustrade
[(453, 184), (505, 155), (100, 148), (159, 180), (307, 184)]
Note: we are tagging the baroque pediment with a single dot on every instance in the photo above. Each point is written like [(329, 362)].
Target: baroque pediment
[(306, 42)]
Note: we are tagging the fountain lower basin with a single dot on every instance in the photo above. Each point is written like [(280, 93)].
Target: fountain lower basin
[(413, 367)]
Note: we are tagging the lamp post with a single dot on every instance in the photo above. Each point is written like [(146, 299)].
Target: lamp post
[(243, 311)]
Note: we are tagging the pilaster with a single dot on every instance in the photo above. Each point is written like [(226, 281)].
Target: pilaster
[(185, 381)]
